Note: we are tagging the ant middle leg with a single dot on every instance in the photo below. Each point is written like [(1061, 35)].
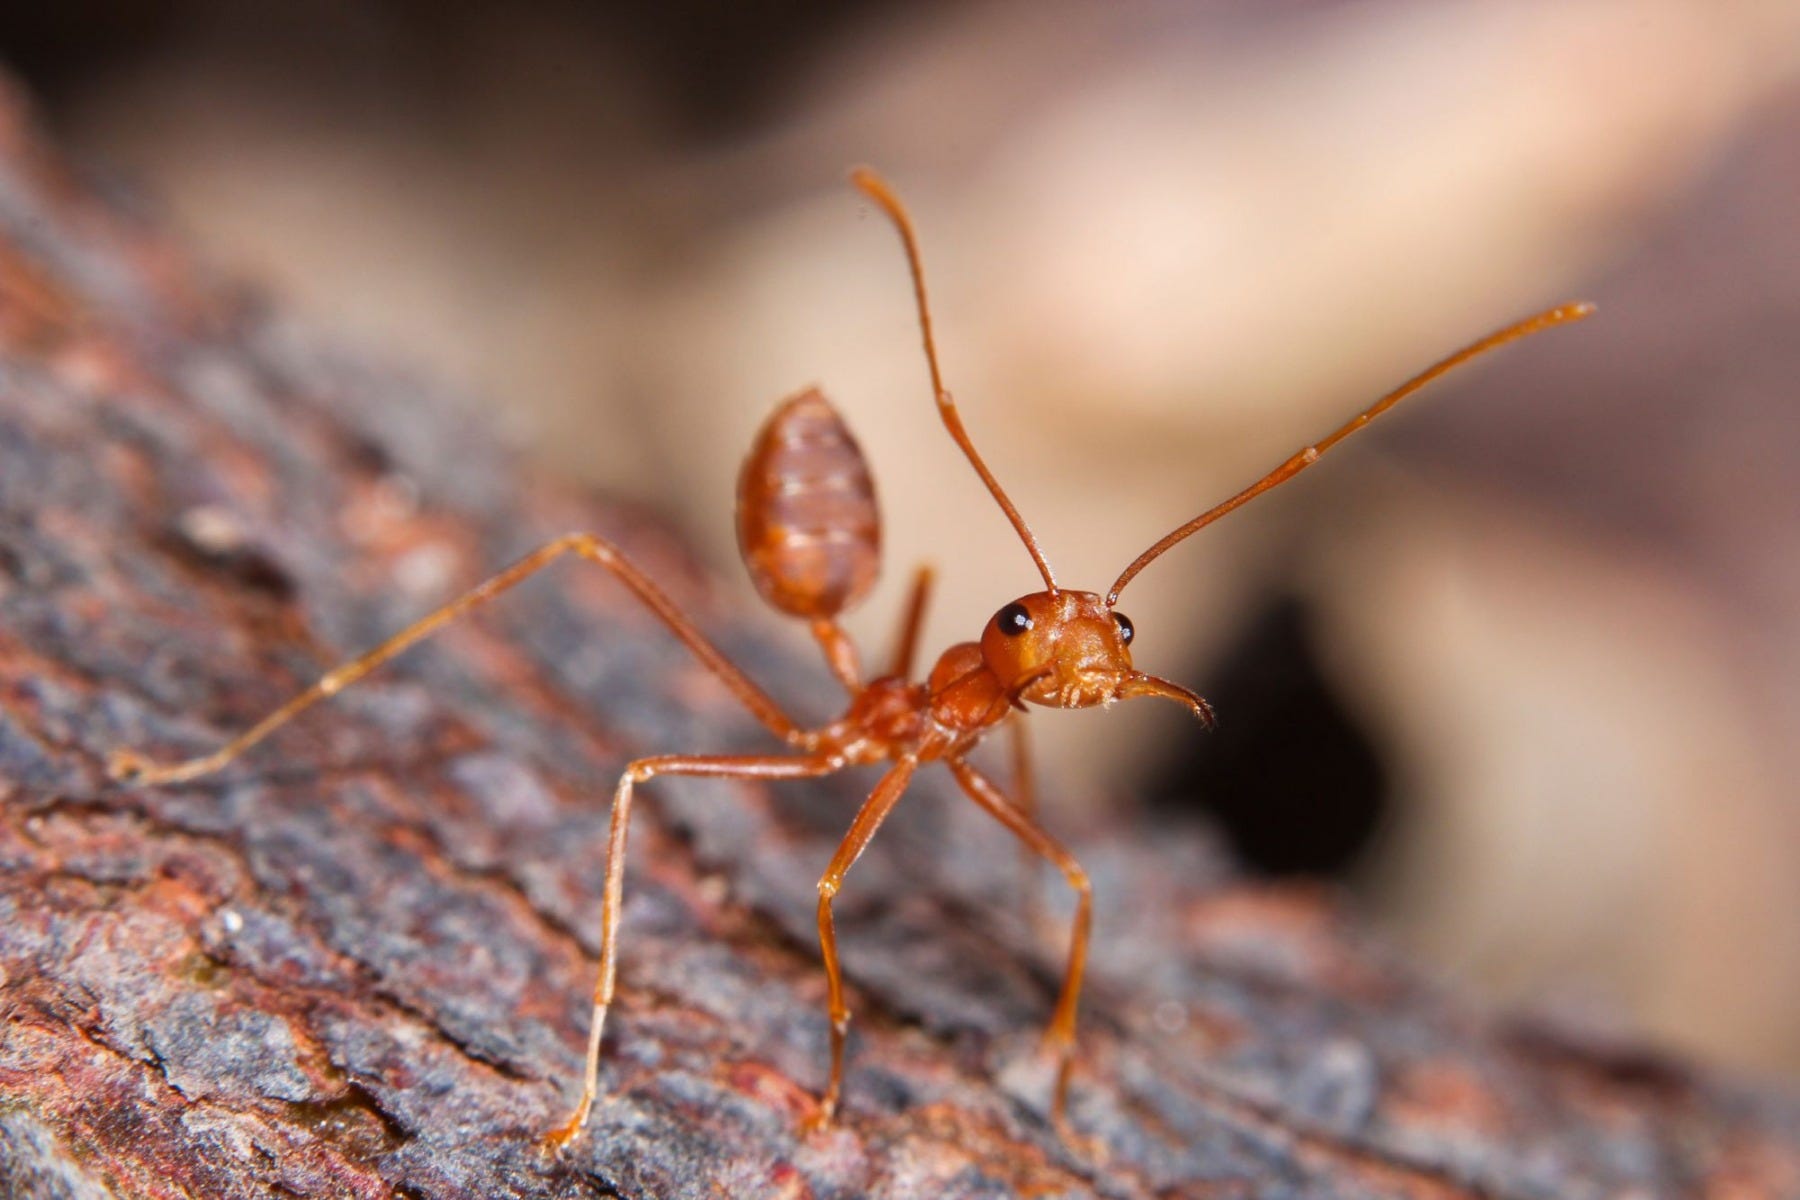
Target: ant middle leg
[(719, 766), (1059, 1035), (128, 766), (907, 645)]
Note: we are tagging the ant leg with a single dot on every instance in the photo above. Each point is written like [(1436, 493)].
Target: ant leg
[(1024, 789), (1059, 1036), (907, 646), (868, 819), (127, 766), (613, 893), (1024, 798)]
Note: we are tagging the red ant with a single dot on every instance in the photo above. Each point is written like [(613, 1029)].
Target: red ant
[(809, 533)]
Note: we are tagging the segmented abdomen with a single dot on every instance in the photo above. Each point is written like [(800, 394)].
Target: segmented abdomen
[(807, 523)]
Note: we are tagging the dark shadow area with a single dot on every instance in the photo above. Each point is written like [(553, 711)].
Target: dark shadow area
[(1289, 775), (720, 69)]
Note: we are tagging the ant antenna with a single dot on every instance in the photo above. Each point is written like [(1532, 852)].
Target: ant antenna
[(876, 188), (1563, 314)]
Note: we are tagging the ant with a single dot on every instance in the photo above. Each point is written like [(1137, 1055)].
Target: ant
[(809, 533)]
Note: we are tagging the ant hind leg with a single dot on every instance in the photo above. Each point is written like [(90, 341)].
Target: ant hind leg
[(128, 766), (613, 892)]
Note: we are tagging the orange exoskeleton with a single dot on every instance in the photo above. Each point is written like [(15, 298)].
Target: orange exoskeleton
[(809, 533)]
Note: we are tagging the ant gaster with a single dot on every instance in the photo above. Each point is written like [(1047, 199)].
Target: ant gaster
[(809, 533)]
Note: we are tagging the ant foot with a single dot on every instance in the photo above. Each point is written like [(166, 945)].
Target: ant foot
[(1090, 1150), (1062, 1052), (126, 766), (821, 1119), (558, 1139)]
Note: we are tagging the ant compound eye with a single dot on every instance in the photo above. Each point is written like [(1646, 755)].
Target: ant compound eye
[(1127, 631), (1013, 619)]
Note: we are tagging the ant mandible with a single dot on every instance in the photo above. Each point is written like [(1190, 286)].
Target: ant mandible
[(809, 533)]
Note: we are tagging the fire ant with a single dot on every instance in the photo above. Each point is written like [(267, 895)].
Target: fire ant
[(809, 533)]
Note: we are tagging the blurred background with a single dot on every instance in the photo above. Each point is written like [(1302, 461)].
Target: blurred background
[(1520, 668)]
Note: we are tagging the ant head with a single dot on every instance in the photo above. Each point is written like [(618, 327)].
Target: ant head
[(1069, 649)]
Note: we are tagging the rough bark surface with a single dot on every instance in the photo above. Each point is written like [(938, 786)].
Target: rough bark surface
[(358, 963)]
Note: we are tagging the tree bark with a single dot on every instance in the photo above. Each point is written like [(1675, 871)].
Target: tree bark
[(358, 962)]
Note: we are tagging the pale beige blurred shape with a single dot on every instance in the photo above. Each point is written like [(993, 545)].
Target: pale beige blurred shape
[(1164, 253), (1258, 229), (1149, 290), (1584, 803)]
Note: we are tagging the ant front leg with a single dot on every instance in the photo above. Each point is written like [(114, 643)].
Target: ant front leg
[(1024, 798), (127, 766), (868, 819), (613, 893), (1059, 1036)]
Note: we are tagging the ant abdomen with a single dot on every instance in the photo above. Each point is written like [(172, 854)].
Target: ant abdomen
[(807, 523)]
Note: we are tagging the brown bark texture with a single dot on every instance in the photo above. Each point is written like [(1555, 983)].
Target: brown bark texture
[(358, 962)]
